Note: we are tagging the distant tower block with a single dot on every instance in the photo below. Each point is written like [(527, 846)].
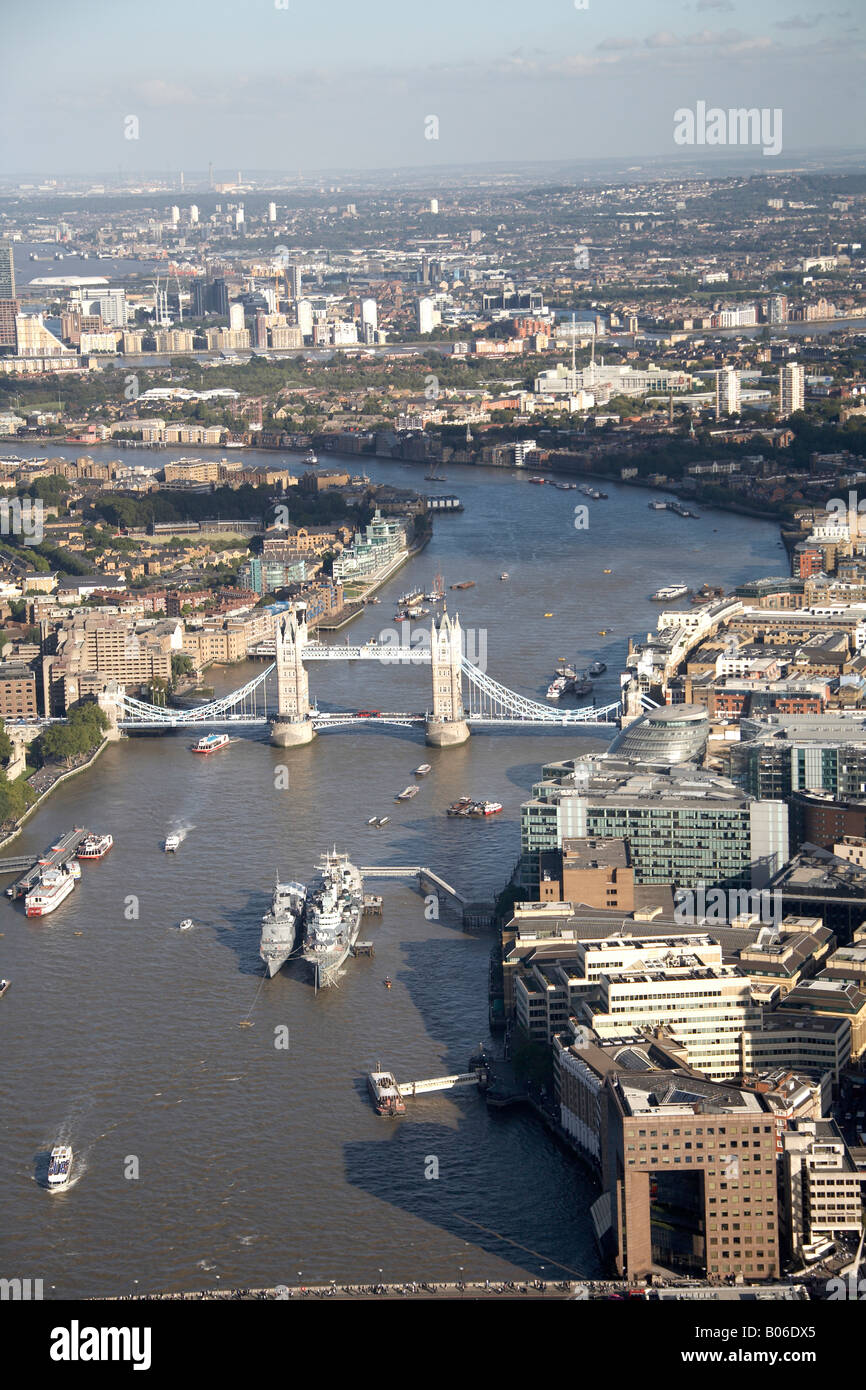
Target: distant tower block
[(447, 725), (293, 724)]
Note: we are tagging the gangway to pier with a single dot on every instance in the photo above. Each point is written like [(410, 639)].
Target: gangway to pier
[(54, 857), (418, 871), (459, 1081), (16, 864)]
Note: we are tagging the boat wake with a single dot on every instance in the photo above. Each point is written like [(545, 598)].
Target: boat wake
[(181, 828)]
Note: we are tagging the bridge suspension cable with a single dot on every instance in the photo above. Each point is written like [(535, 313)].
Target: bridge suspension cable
[(248, 705)]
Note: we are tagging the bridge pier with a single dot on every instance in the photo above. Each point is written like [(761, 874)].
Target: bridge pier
[(445, 733), (291, 733)]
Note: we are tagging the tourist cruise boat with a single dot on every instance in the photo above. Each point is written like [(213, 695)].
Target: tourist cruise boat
[(95, 846), (311, 459), (172, 843), (557, 687), (53, 887), (598, 668), (211, 743), (59, 1165)]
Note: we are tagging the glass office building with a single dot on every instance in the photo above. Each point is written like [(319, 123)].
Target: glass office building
[(674, 734)]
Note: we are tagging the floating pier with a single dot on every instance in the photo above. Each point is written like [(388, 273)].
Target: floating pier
[(408, 1090), (54, 857)]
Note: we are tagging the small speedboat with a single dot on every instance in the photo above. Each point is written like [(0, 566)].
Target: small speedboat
[(387, 982), (372, 820), (186, 925), (4, 985), (422, 769), (383, 820)]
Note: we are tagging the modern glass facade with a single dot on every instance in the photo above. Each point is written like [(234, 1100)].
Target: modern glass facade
[(676, 734), (684, 830)]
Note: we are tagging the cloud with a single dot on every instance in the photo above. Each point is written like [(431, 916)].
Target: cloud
[(154, 92), (726, 5), (614, 45), (703, 38), (799, 21)]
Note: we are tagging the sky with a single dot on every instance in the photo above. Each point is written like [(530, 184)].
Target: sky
[(340, 84)]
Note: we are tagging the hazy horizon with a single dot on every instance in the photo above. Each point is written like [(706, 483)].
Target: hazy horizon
[(354, 89)]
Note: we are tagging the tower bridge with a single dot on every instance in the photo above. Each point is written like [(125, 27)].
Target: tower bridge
[(296, 720)]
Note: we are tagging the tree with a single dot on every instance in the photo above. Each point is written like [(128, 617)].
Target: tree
[(83, 731), (181, 665)]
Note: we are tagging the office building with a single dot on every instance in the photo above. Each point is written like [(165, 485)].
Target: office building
[(690, 1171), (684, 826), (594, 872), (821, 1188), (779, 755), (17, 691), (672, 734), (704, 1004)]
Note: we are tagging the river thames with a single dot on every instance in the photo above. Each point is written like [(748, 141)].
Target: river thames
[(206, 1155)]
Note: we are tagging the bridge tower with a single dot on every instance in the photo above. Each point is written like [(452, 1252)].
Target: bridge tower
[(293, 724), (447, 724), (109, 701)]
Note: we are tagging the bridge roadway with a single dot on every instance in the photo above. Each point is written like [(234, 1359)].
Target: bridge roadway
[(336, 719)]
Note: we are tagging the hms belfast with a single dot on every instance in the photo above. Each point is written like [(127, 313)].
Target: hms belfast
[(280, 925), (335, 903)]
